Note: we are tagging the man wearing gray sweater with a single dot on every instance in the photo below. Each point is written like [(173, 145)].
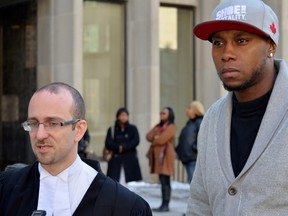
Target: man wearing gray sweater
[(242, 164)]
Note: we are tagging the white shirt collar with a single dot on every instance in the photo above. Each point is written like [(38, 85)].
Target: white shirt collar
[(77, 172), (68, 172)]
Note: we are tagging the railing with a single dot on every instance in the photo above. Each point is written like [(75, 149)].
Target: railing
[(179, 172)]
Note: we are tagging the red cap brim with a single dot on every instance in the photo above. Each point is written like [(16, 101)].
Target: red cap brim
[(205, 30)]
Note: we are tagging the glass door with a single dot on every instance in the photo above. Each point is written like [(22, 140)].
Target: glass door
[(103, 66)]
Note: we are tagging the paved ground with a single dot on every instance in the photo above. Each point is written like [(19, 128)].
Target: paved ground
[(152, 194)]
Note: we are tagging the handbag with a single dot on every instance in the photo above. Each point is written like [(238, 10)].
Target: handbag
[(108, 154), (149, 155)]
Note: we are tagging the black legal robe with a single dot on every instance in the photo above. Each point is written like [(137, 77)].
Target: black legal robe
[(105, 197)]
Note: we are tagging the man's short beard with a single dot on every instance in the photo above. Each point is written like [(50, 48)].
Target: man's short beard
[(240, 88), (257, 75)]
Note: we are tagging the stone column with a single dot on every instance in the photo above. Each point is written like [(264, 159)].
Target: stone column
[(143, 84), (59, 39)]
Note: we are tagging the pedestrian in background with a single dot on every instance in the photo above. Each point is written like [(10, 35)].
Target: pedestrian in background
[(83, 147), (161, 154), (84, 144), (122, 139), (187, 143), (242, 159)]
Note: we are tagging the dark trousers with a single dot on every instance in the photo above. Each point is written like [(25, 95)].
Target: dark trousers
[(165, 188)]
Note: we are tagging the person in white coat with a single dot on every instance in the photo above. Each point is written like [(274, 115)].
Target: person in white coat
[(242, 163)]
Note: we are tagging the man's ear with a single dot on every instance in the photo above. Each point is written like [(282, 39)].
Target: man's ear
[(80, 129), (272, 47)]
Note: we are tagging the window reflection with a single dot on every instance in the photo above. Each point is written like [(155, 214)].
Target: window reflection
[(176, 60), (103, 62), (168, 28)]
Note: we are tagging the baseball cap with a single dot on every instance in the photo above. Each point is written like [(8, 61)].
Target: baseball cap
[(253, 16)]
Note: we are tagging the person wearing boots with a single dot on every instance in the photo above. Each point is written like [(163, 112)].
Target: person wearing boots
[(161, 154)]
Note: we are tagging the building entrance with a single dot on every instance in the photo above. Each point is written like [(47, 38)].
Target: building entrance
[(17, 78)]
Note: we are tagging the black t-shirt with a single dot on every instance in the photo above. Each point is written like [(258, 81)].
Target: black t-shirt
[(246, 119)]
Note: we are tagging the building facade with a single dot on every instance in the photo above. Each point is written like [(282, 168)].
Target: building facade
[(135, 53)]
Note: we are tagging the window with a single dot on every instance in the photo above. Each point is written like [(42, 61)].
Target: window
[(103, 62), (176, 60)]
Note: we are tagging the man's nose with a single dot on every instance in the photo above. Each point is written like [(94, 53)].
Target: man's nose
[(228, 52), (41, 132)]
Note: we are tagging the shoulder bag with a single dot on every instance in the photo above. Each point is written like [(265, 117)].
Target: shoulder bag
[(108, 154)]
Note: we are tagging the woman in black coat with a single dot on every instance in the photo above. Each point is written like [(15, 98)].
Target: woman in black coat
[(123, 139), (187, 143)]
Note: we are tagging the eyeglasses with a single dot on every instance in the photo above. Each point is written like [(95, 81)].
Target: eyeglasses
[(32, 126)]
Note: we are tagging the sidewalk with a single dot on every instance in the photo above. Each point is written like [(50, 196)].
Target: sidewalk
[(152, 194)]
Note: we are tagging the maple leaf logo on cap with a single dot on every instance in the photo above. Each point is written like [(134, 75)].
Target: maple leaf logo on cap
[(273, 28)]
